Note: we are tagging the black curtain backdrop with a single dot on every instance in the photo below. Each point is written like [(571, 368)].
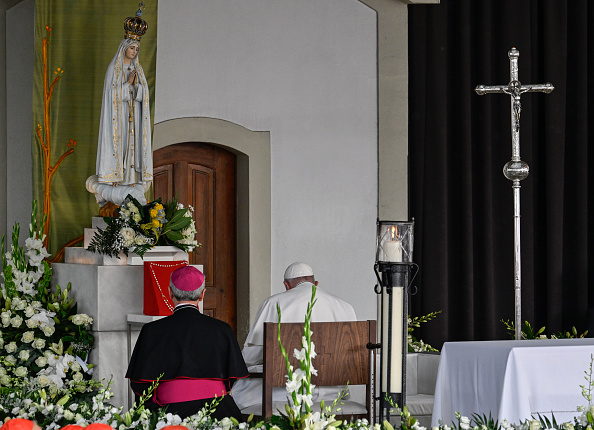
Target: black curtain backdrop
[(459, 143)]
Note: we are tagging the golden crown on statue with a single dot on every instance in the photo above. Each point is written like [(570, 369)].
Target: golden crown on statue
[(134, 26)]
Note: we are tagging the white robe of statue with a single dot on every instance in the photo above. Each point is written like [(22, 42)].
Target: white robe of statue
[(293, 303), (124, 150)]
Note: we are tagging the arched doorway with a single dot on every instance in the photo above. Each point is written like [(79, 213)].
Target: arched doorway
[(252, 149), (204, 176)]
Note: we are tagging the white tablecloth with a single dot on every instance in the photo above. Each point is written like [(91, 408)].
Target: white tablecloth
[(512, 380)]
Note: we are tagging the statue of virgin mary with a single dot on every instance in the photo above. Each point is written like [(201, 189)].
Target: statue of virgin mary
[(124, 151)]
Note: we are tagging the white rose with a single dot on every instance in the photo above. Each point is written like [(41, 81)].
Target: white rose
[(29, 311), (140, 240), (11, 347), (10, 360), (38, 344), (31, 323), (2, 371), (53, 389), (1, 342), (16, 321), (18, 304), (24, 355), (77, 376), (75, 366), (48, 330), (21, 371), (127, 234), (78, 319), (28, 337), (5, 380), (36, 304), (43, 380), (41, 361), (5, 316), (137, 217)]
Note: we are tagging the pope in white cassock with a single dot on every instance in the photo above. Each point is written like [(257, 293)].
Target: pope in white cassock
[(298, 281)]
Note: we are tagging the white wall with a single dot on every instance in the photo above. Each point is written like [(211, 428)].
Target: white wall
[(305, 71)]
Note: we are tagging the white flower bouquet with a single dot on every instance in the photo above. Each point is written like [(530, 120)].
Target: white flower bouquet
[(44, 341)]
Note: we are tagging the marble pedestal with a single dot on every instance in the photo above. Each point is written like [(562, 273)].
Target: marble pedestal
[(108, 289)]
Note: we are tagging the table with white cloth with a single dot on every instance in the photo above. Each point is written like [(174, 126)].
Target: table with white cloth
[(512, 380)]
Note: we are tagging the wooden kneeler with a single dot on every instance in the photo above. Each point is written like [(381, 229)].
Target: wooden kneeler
[(342, 357)]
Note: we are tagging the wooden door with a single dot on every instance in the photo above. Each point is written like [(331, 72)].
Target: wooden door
[(203, 176)]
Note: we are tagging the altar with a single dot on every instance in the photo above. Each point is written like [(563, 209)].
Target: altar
[(110, 290), (512, 380)]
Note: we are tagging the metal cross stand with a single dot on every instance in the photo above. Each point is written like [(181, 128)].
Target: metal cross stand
[(516, 169)]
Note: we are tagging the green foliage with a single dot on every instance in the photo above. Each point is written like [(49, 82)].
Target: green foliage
[(527, 332), (414, 344)]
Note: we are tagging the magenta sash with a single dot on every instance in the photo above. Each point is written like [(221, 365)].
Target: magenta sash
[(186, 389)]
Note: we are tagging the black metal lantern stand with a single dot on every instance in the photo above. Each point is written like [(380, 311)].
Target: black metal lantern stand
[(395, 272)]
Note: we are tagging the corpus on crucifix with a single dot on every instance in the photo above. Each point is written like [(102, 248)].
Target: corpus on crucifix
[(515, 170)]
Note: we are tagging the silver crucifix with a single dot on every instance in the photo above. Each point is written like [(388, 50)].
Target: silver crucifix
[(516, 169)]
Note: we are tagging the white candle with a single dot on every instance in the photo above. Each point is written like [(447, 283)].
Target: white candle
[(396, 354), (393, 251)]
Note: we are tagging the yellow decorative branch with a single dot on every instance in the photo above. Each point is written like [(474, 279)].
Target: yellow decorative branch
[(45, 143)]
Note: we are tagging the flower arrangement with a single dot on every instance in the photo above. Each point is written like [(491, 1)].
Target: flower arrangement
[(44, 341), (138, 228)]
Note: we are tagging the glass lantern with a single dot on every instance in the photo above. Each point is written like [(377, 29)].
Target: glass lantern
[(394, 241)]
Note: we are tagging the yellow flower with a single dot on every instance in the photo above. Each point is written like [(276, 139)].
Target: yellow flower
[(156, 223), (153, 212)]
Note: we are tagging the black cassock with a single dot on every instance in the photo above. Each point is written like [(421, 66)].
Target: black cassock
[(187, 344)]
